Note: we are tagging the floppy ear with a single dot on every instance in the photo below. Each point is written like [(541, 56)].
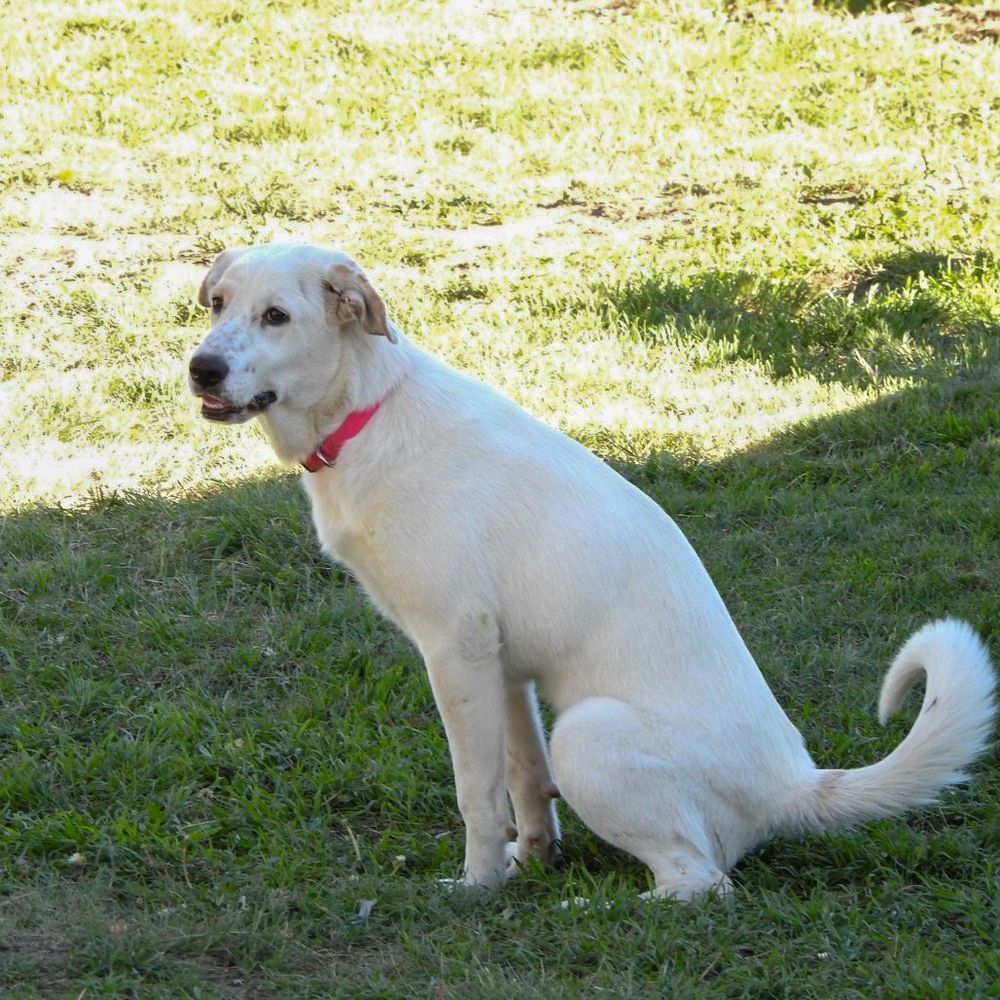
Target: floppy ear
[(355, 299), (215, 272)]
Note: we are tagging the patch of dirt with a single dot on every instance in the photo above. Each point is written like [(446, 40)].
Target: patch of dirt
[(894, 272), (558, 225), (836, 282), (38, 254), (966, 24), (832, 194), (611, 8), (748, 15), (45, 957), (41, 953), (38, 946), (228, 981)]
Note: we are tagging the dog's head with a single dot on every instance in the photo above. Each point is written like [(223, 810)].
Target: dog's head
[(279, 313)]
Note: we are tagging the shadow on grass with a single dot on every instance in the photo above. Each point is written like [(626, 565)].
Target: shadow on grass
[(893, 320), (193, 699)]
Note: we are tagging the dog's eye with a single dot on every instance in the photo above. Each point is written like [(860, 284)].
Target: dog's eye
[(217, 304), (275, 316)]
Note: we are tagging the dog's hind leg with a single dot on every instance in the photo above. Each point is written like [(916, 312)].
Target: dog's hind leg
[(612, 767), (530, 783)]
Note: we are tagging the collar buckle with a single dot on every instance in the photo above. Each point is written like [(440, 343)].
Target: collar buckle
[(353, 424)]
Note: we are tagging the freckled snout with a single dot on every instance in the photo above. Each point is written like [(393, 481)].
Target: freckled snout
[(208, 370)]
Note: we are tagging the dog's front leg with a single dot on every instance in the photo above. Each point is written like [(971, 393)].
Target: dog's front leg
[(470, 697)]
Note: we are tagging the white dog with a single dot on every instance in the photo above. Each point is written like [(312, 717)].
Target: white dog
[(511, 556)]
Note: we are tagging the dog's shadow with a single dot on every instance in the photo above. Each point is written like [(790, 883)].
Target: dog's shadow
[(830, 543), (848, 530), (866, 325)]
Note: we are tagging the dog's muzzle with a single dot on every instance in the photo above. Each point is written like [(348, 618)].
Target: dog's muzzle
[(209, 371)]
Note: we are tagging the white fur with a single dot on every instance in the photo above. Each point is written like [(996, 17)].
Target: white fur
[(511, 556)]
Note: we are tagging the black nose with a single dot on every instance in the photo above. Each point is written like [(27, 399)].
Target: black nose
[(207, 370)]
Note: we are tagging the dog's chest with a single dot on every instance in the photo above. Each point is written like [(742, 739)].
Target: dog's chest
[(344, 529), (348, 533)]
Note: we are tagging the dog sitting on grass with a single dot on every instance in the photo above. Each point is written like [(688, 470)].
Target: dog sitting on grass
[(512, 557)]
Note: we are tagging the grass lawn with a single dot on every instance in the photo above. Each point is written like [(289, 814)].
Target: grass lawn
[(745, 252)]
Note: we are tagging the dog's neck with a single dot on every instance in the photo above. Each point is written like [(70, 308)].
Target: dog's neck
[(369, 369)]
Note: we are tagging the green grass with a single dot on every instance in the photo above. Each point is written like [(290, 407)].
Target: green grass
[(747, 255)]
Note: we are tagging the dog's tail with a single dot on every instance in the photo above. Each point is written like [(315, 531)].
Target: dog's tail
[(953, 728)]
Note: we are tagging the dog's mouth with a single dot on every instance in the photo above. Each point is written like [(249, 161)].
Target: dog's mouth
[(213, 408)]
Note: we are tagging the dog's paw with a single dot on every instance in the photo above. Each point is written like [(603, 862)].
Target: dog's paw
[(681, 892), (472, 886), (542, 849)]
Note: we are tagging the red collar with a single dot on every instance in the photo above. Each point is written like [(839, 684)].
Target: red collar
[(326, 454)]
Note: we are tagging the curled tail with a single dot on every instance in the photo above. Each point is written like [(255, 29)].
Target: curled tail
[(953, 729)]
